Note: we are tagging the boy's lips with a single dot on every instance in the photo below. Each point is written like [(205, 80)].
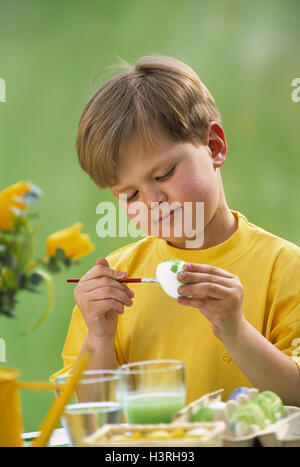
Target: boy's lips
[(169, 215)]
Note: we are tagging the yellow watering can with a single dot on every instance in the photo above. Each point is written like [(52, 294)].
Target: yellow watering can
[(11, 423)]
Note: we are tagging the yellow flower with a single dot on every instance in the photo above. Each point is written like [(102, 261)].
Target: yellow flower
[(74, 243), (9, 200)]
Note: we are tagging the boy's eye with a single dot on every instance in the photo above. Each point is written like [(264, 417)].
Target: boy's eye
[(163, 177), (132, 197), (166, 175)]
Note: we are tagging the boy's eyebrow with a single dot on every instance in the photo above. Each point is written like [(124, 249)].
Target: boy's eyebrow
[(157, 166)]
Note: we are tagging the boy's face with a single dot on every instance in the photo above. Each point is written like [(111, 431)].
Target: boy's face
[(175, 172)]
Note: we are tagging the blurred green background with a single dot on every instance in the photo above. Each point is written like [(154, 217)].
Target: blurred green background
[(247, 53)]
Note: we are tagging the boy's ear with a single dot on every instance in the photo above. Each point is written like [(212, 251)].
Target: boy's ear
[(216, 142)]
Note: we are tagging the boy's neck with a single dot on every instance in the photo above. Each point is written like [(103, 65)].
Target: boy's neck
[(221, 227)]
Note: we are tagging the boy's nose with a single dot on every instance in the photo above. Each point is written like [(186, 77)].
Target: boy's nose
[(153, 195)]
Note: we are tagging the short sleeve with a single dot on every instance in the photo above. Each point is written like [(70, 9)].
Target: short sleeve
[(74, 341), (283, 304)]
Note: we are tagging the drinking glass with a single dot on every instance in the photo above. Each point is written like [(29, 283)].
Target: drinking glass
[(151, 391), (92, 405)]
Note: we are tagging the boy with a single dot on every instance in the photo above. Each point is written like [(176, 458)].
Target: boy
[(153, 135)]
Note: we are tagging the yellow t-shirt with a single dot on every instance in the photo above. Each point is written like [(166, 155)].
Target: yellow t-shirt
[(157, 327)]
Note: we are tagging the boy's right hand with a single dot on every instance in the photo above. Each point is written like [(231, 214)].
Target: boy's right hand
[(101, 297)]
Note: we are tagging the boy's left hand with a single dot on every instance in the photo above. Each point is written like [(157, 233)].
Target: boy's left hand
[(217, 293)]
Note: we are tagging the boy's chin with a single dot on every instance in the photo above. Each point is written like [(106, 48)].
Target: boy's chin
[(182, 242)]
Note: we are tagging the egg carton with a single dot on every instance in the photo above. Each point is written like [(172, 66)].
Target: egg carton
[(163, 434), (285, 431)]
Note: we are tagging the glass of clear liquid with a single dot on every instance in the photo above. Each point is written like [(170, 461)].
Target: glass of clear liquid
[(92, 405)]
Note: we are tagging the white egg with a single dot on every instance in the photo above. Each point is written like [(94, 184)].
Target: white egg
[(217, 405), (166, 273)]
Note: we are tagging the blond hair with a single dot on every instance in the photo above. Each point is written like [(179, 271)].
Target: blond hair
[(157, 96)]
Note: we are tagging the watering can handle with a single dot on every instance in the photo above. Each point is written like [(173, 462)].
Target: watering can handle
[(37, 385)]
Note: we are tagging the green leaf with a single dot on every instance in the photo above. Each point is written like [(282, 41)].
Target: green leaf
[(52, 265), (8, 313), (60, 254), (22, 280), (9, 279), (9, 260), (25, 250), (67, 261), (7, 302), (35, 278)]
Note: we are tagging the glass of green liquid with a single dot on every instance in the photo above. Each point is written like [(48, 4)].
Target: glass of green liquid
[(151, 391), (92, 405)]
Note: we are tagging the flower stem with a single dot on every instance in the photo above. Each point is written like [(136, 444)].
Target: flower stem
[(50, 294)]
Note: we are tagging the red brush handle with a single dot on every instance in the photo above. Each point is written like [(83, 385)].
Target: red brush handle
[(120, 280)]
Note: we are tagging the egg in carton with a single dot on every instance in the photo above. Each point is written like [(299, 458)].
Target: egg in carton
[(247, 414), (245, 409), (211, 401), (254, 411), (262, 417), (161, 434)]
